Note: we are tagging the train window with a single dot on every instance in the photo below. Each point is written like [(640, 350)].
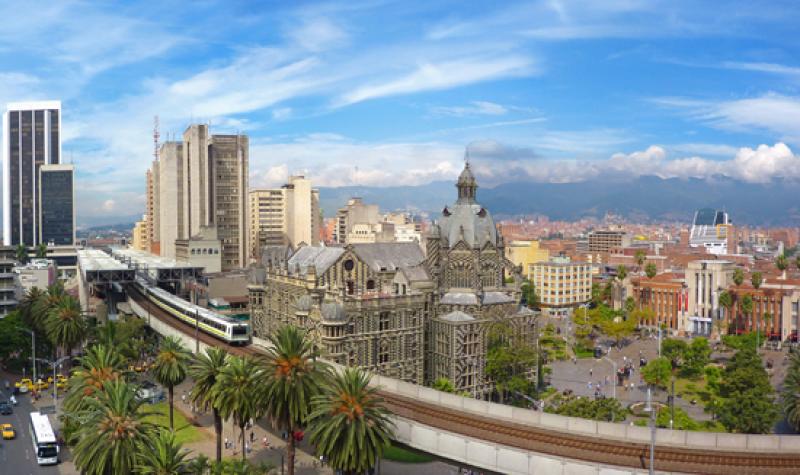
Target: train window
[(240, 330)]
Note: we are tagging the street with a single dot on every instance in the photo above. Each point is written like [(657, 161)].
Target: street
[(17, 456)]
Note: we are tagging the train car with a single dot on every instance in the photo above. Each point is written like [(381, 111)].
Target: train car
[(219, 326)]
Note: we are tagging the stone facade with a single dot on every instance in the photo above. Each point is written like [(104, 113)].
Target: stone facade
[(390, 309)]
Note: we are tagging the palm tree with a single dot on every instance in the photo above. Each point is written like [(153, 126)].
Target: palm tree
[(99, 365), (49, 300), (65, 324), (163, 456), (726, 302), (170, 368), (293, 377), (199, 465), (28, 303), (111, 431), (781, 263), (21, 252), (790, 399), (238, 393), (206, 371), (41, 251), (747, 305), (622, 273), (738, 276), (349, 423), (640, 257), (756, 279)]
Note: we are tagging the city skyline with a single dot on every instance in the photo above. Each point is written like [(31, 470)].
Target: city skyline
[(551, 91)]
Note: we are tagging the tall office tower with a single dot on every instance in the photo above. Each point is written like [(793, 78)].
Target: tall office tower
[(56, 205), (171, 199), (152, 220), (287, 215), (31, 138), (215, 179)]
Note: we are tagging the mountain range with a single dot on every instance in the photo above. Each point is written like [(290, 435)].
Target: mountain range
[(645, 199)]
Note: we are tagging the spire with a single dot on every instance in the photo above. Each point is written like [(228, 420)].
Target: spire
[(467, 186)]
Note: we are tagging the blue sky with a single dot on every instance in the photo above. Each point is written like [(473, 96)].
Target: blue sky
[(383, 92)]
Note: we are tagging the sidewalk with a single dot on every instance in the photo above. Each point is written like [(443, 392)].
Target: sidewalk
[(306, 463)]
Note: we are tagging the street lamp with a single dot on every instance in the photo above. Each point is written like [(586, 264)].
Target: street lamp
[(649, 408), (55, 364), (614, 374)]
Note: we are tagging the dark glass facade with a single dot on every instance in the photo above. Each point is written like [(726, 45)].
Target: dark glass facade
[(33, 140), (56, 207)]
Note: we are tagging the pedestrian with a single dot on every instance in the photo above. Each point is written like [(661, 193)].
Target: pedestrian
[(227, 443), (266, 443), (589, 384), (183, 398), (252, 437), (591, 370)]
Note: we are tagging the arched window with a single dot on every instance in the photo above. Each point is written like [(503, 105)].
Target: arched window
[(370, 284)]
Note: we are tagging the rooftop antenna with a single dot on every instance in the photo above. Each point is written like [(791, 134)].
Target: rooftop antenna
[(156, 136)]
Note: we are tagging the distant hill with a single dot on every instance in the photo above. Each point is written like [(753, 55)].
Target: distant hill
[(644, 199)]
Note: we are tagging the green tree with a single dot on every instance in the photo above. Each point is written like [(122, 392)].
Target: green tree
[(650, 270), (15, 344), (657, 372), (597, 294), (630, 305), (163, 456), (41, 251), (682, 421), (206, 370), (65, 324), (509, 358), (640, 257), (28, 304), (50, 300), (239, 393), (200, 465), (619, 328), (790, 400), (445, 385), (293, 378), (529, 294), (606, 409), (782, 263), (756, 279), (170, 368), (674, 350), (111, 431), (21, 252), (738, 276), (349, 423), (747, 404), (696, 357), (797, 261)]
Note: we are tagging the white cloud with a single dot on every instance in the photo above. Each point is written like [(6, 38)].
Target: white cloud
[(475, 108), (776, 113), (317, 34), (443, 75), (109, 205)]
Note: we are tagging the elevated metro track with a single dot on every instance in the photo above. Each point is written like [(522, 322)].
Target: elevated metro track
[(567, 445)]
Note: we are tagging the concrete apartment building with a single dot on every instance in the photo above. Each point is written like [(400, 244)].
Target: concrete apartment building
[(355, 212), (152, 219), (9, 285), (562, 285), (289, 215), (171, 226), (605, 240), (31, 154), (139, 235), (526, 253), (201, 250)]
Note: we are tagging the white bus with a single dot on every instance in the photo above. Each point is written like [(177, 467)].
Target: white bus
[(45, 444)]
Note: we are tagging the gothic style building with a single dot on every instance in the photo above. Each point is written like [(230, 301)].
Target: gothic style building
[(391, 309)]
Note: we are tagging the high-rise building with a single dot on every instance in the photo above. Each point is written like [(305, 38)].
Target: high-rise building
[(152, 221), (710, 231), (31, 138), (56, 199), (171, 226), (606, 239), (287, 215), (215, 181), (139, 235), (562, 285)]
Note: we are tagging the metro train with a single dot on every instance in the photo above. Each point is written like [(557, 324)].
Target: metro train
[(219, 326)]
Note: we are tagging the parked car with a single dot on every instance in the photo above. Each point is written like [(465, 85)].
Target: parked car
[(5, 408)]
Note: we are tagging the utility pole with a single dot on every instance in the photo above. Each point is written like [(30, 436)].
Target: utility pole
[(652, 411)]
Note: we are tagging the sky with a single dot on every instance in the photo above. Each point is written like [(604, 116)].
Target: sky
[(395, 92)]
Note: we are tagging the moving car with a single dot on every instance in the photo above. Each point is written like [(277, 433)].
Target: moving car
[(24, 385), (8, 431), (5, 408)]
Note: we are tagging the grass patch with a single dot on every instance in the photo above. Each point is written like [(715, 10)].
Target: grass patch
[(185, 432), (396, 453)]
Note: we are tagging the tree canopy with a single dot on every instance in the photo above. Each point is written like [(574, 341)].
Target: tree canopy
[(747, 404), (657, 372)]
